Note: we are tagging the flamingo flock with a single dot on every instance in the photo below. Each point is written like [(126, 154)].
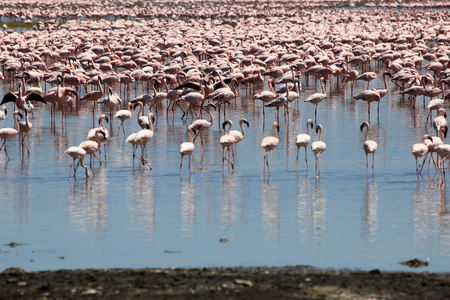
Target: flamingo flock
[(223, 61)]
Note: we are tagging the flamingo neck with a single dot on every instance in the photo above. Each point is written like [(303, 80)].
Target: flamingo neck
[(141, 107), (223, 82), (271, 88), (150, 121), (242, 128), (167, 87), (210, 116), (100, 86), (190, 136), (293, 80)]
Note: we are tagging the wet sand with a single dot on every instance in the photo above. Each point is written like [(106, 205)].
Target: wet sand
[(296, 282)]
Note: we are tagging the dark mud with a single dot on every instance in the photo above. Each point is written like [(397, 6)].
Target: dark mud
[(297, 282)]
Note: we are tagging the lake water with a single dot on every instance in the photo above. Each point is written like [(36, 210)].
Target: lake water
[(129, 216)]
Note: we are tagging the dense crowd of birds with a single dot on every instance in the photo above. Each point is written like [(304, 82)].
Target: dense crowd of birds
[(196, 67)]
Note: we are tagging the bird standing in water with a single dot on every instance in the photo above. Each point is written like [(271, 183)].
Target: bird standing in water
[(369, 146), (303, 140), (187, 148), (318, 147), (269, 143)]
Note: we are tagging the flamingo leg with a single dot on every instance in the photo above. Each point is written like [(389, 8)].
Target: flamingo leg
[(306, 159), (123, 128), (4, 148), (315, 115), (97, 159), (70, 168), (367, 160), (417, 169), (181, 163), (317, 166), (267, 162)]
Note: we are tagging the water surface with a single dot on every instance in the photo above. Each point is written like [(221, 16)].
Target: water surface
[(128, 216)]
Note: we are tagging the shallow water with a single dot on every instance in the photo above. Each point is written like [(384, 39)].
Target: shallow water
[(128, 216)]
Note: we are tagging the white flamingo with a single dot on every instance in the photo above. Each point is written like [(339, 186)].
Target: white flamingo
[(227, 140), (369, 146), (420, 150), (92, 147), (303, 140), (122, 115), (201, 125), (9, 133), (316, 98), (77, 153), (187, 148), (143, 137), (318, 147), (369, 96), (269, 143)]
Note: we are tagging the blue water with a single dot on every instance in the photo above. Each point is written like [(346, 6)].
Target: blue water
[(128, 216)]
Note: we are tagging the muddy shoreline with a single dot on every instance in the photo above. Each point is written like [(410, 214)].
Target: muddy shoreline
[(296, 282)]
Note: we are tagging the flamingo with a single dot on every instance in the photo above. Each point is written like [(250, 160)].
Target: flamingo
[(444, 152), (122, 115), (440, 121), (92, 133), (201, 125), (420, 150), (369, 96), (20, 99), (143, 137), (77, 153), (132, 140), (111, 100), (187, 148), (59, 94), (24, 128), (432, 142), (413, 92), (266, 96), (225, 93), (269, 143), (350, 76), (435, 104), (9, 133), (280, 101), (92, 147), (367, 76), (94, 95), (143, 121), (157, 96), (303, 140), (369, 146), (239, 136), (318, 147), (316, 98), (383, 92), (227, 140), (193, 98)]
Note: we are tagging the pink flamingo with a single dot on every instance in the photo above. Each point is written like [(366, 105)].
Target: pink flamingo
[(269, 143)]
